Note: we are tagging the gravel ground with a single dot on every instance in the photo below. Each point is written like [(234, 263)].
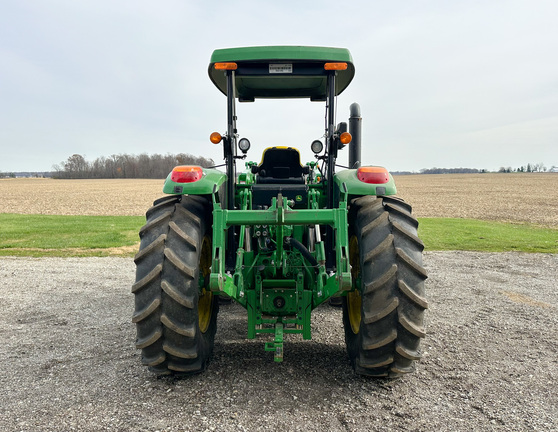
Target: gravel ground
[(490, 358)]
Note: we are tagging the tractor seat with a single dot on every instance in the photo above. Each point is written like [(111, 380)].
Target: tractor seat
[(280, 165)]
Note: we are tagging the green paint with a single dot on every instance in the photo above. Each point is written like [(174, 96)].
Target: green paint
[(304, 63)]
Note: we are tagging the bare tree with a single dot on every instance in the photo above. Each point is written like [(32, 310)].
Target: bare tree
[(126, 166)]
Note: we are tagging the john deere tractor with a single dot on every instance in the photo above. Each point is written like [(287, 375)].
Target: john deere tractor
[(281, 238)]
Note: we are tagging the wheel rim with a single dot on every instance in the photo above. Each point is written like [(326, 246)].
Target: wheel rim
[(354, 300), (205, 300)]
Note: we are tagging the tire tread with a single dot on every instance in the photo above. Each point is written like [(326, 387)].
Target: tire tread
[(166, 289), (392, 288)]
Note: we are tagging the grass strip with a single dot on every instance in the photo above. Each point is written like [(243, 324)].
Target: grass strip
[(46, 235), (65, 236), (486, 236)]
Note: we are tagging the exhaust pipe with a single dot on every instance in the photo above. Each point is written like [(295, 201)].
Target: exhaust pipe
[(355, 126)]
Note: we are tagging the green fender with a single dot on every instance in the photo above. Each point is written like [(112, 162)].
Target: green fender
[(211, 178), (356, 187)]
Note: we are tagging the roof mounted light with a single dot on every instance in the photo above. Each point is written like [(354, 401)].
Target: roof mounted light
[(225, 66), (335, 66), (186, 174), (373, 175)]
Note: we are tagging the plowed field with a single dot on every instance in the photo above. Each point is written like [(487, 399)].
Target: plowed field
[(531, 198)]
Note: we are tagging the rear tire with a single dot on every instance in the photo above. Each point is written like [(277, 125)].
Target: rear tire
[(175, 316), (384, 316)]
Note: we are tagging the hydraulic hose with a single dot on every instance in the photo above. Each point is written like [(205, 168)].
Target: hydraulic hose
[(303, 250)]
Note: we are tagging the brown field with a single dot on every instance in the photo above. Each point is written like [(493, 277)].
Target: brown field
[(523, 198)]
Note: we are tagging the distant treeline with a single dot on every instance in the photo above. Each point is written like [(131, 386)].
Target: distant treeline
[(451, 171), (535, 167), (530, 167), (442, 171), (154, 166)]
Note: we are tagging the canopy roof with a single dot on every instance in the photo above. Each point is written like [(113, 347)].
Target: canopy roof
[(281, 71)]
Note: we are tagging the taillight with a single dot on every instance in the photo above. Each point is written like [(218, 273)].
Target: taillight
[(375, 175), (186, 174)]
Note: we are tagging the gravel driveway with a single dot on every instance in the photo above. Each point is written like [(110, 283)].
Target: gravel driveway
[(490, 358)]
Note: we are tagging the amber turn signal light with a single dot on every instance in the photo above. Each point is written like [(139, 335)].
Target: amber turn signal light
[(335, 66), (345, 138), (226, 66), (215, 137)]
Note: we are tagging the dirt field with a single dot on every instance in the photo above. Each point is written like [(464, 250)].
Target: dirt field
[(125, 197), (528, 197), (531, 198)]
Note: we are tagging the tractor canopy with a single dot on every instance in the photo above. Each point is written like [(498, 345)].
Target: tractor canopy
[(281, 71)]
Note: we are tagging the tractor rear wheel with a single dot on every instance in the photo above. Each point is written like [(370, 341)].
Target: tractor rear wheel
[(175, 314), (383, 316)]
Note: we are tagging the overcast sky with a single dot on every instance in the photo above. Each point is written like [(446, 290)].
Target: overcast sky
[(440, 83)]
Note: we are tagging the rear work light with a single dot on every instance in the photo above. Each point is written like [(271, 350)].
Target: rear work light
[(186, 174), (375, 175)]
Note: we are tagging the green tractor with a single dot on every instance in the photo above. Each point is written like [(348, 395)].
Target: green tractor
[(281, 238)]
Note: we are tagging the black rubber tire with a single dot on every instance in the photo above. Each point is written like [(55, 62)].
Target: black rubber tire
[(167, 291), (386, 256)]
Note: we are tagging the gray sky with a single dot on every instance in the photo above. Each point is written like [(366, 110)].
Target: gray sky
[(440, 83)]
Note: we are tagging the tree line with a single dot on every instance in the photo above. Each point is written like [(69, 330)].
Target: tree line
[(529, 168), (441, 171), (154, 166), (538, 167), (451, 171)]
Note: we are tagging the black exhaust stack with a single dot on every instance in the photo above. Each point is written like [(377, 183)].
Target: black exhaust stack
[(355, 126)]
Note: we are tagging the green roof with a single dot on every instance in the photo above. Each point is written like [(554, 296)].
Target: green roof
[(281, 71)]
